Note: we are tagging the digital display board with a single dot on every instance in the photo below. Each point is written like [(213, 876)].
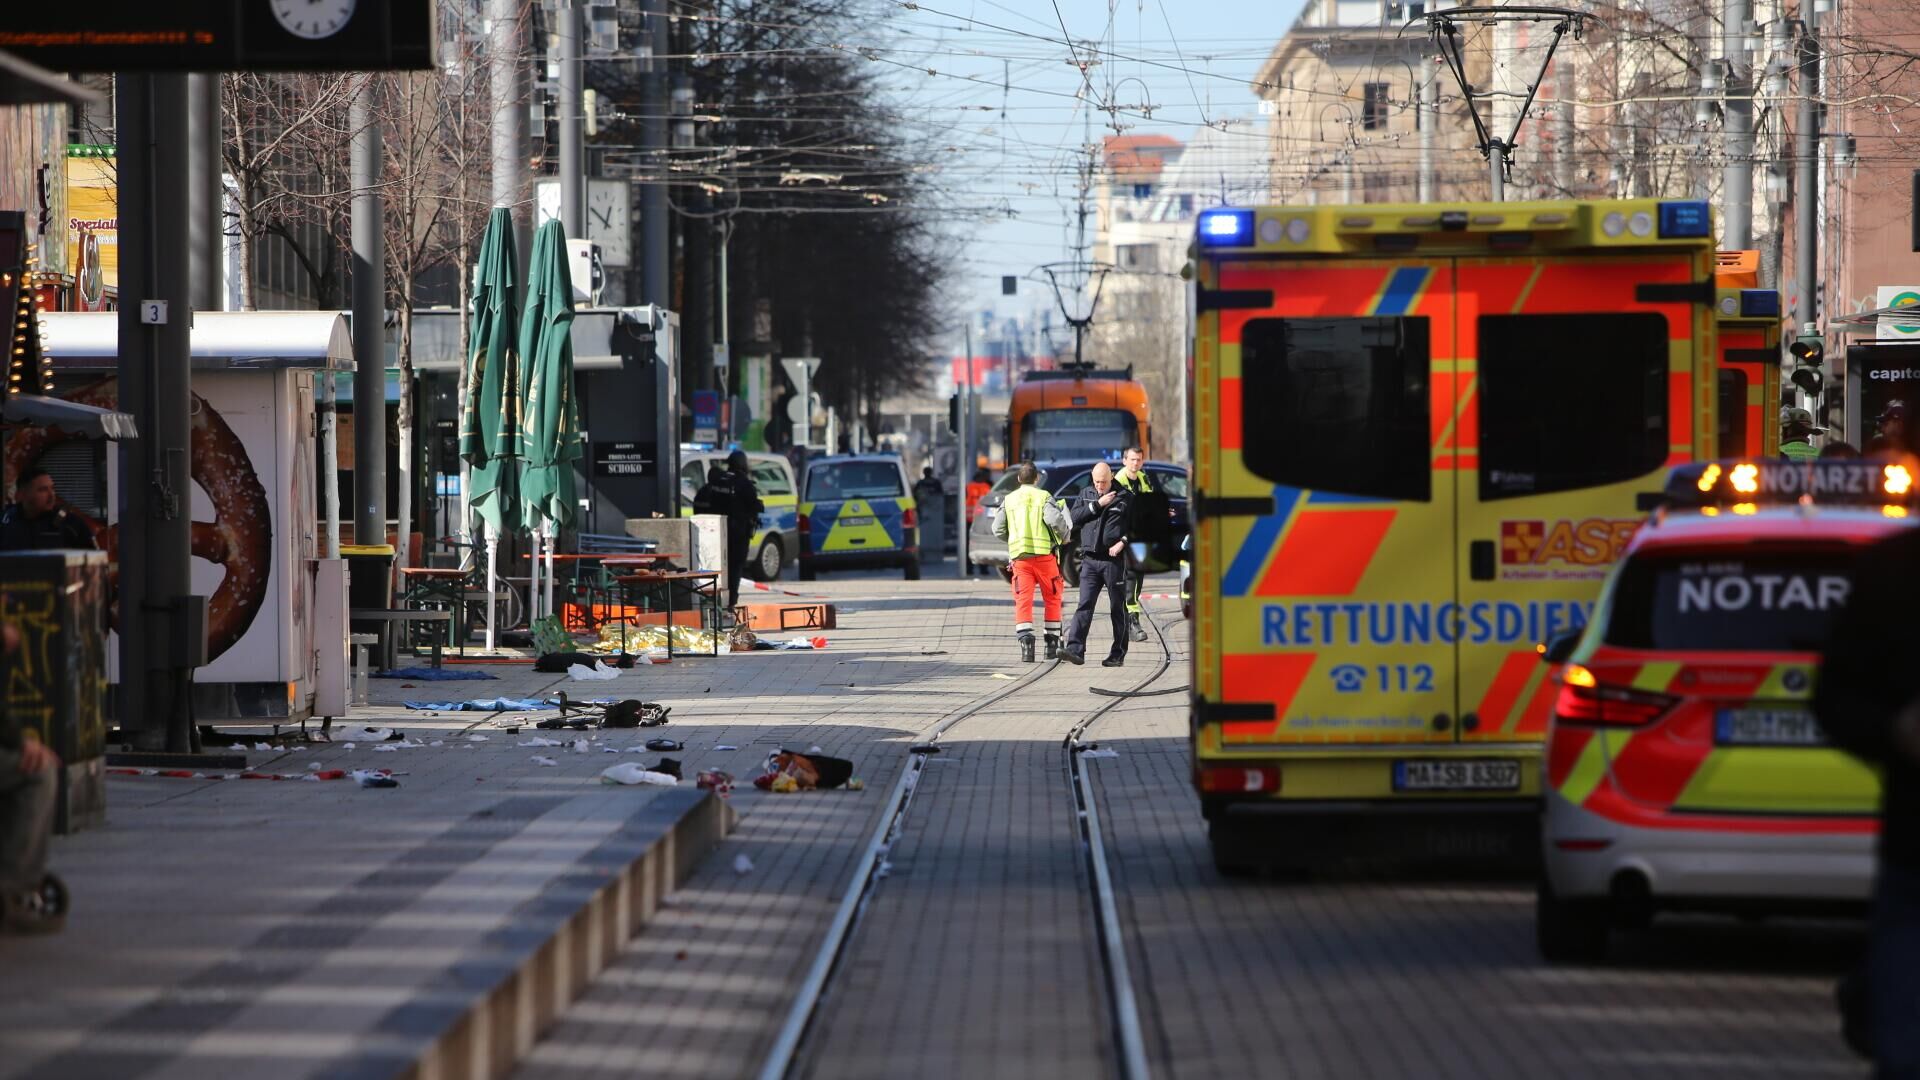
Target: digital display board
[(223, 35)]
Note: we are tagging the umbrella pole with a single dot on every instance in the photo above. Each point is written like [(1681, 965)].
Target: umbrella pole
[(493, 584), (552, 540)]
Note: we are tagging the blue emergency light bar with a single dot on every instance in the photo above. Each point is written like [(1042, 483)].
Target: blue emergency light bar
[(1685, 220), (1760, 303), (1880, 481), (1226, 228)]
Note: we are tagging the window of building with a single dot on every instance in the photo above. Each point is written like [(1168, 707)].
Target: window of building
[(1338, 405), (1373, 112), (1378, 187), (1570, 401), (1143, 191)]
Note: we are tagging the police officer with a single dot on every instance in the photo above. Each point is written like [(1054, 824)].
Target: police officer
[(35, 520), (1032, 523), (743, 517), (1100, 518)]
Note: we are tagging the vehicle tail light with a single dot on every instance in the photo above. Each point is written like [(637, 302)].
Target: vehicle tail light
[(1221, 780), (909, 519), (1585, 700), (806, 526)]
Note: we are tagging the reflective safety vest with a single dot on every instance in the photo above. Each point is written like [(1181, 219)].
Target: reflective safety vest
[(1139, 482), (1798, 451), (1025, 510)]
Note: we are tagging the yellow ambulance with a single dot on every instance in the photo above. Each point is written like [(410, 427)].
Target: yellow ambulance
[(1422, 436)]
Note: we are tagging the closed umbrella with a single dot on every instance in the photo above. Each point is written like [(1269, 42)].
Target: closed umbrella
[(490, 436), (552, 412)]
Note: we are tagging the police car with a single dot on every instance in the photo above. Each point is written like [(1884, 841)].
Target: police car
[(1685, 769), (857, 511)]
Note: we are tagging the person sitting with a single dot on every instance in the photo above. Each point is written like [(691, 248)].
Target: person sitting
[(36, 521)]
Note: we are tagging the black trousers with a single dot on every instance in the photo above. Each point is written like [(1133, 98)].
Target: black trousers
[(736, 565), (1097, 575)]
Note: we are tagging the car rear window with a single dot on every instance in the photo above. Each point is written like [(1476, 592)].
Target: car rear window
[(1772, 601), (771, 479), (854, 480)]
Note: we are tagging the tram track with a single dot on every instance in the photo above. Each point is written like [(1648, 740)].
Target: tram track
[(870, 870)]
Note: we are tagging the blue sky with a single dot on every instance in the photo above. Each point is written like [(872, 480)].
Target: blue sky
[(1000, 115)]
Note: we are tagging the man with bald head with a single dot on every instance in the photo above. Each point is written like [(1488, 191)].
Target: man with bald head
[(1100, 516)]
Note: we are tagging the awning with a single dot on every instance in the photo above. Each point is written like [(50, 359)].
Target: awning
[(69, 416), (22, 83)]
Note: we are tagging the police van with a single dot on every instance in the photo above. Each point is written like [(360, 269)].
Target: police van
[(857, 511), (1419, 436), (1685, 767)]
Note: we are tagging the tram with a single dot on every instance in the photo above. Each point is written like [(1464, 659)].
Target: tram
[(1078, 411)]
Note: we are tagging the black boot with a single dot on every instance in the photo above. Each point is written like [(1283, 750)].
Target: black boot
[(1053, 646), (1134, 629), (1026, 648)]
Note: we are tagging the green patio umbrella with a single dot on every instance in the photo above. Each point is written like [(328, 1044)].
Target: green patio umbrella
[(491, 442), (552, 412)]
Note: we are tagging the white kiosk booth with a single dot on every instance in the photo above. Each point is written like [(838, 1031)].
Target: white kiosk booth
[(277, 611)]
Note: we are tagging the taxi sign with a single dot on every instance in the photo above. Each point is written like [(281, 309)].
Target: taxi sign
[(1837, 482)]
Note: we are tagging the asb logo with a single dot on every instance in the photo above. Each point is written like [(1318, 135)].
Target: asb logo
[(1586, 542)]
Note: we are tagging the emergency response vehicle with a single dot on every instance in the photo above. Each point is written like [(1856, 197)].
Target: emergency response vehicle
[(776, 538), (1748, 378), (1419, 434), (1685, 767), (857, 511)]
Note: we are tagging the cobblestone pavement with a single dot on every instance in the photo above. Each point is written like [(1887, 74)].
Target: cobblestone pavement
[(984, 887), (1378, 978)]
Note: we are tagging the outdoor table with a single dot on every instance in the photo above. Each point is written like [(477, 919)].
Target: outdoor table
[(389, 645), (646, 581), (430, 585)]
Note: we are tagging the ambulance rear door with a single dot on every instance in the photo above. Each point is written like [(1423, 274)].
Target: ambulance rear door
[(1583, 377), (1322, 521)]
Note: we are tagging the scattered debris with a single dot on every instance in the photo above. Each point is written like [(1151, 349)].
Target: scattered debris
[(742, 864), (427, 674), (1000, 675), (380, 778), (580, 746), (540, 760), (599, 672), (668, 765), (1099, 752), (725, 746), (664, 745), (787, 771), (720, 783), (539, 741)]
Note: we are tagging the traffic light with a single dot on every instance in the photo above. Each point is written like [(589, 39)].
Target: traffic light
[(1809, 353)]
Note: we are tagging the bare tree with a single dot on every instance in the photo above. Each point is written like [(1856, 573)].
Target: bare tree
[(285, 152)]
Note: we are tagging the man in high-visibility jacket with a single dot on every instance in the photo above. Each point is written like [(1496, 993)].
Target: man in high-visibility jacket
[(1796, 430), (1032, 524), (1134, 478)]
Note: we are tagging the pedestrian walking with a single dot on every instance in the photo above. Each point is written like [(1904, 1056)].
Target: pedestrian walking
[(1100, 519), (1133, 477), (1796, 432), (1032, 524), (1870, 707), (35, 520)]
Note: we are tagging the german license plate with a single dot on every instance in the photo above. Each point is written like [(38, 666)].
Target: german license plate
[(852, 522), (1469, 775), (1767, 727)]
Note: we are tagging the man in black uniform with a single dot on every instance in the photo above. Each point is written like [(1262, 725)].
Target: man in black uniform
[(1100, 517), (36, 521), (743, 517)]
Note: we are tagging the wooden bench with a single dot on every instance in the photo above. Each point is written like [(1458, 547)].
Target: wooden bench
[(614, 544), (389, 641)]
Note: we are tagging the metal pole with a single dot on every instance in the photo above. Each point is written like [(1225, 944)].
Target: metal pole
[(506, 55), (1806, 181), (369, 327), (965, 457), (1563, 136), (156, 386), (1428, 102), (572, 175), (653, 140), (206, 227), (1497, 164), (326, 398), (1736, 185)]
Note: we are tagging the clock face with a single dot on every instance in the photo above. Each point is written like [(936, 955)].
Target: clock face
[(313, 19), (609, 220)]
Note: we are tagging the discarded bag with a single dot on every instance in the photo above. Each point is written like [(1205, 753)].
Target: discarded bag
[(720, 783), (669, 766), (599, 672), (556, 663), (805, 771), (629, 772), (630, 713)]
